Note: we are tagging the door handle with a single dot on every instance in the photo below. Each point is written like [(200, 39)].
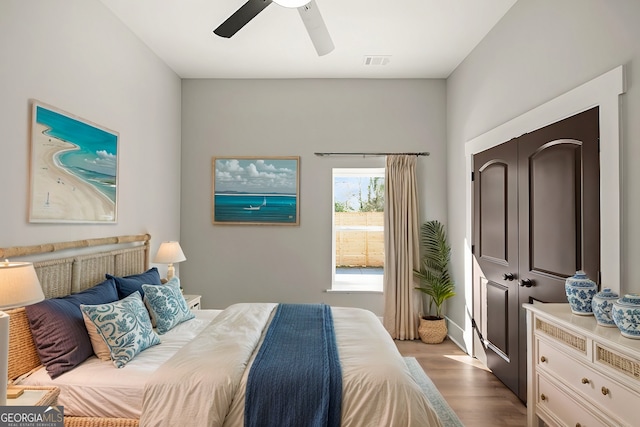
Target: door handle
[(508, 276), (527, 283)]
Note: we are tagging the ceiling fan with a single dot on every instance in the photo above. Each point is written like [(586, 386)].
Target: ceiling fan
[(309, 13)]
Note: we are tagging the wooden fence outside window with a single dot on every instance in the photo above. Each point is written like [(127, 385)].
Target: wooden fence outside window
[(359, 239)]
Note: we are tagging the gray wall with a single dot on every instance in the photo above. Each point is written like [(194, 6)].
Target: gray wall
[(229, 264), (538, 51), (77, 56), (57, 52)]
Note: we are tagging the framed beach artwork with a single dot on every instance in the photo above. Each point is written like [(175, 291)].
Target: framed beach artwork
[(74, 168), (256, 190)]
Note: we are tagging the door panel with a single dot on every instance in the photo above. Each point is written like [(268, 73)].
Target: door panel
[(497, 326), (496, 246), (536, 221), (493, 211), (559, 204), (554, 200)]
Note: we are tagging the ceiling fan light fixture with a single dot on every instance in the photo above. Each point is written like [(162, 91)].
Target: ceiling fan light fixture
[(291, 3), (307, 9)]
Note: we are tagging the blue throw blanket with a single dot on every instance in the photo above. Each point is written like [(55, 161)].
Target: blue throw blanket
[(296, 379)]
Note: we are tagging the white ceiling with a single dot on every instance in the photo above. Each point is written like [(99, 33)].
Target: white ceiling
[(424, 38)]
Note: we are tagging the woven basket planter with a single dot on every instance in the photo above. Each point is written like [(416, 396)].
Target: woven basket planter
[(432, 331)]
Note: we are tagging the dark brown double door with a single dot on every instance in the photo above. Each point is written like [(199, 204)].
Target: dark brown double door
[(536, 222)]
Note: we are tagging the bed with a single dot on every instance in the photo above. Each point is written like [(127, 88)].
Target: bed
[(202, 366)]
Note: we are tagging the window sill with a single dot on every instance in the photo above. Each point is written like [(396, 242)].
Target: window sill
[(349, 288), (357, 283), (353, 291)]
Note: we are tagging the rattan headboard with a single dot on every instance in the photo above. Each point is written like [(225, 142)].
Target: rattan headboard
[(118, 256), (70, 274)]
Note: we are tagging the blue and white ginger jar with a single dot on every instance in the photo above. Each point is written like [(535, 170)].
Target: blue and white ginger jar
[(580, 291), (626, 315), (602, 304)]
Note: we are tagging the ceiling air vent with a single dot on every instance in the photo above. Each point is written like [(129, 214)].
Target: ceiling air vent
[(377, 59)]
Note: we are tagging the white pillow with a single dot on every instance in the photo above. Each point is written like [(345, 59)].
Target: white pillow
[(100, 348), (125, 327), (166, 305)]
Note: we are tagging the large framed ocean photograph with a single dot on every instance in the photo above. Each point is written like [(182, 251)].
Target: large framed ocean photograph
[(74, 168), (256, 190)]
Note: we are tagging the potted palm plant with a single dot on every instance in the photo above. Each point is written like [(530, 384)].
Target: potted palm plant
[(435, 280)]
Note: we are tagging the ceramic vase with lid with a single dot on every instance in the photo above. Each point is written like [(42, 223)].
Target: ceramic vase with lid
[(580, 291), (626, 315), (602, 304)]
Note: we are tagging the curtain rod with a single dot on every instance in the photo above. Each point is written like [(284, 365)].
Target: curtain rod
[(423, 153)]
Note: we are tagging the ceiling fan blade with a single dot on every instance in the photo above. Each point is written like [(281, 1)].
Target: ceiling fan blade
[(241, 17), (316, 28)]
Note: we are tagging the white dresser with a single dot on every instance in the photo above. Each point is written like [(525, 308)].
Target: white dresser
[(578, 373)]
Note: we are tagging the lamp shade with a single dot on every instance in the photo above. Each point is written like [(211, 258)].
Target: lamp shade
[(169, 252), (291, 3), (19, 285)]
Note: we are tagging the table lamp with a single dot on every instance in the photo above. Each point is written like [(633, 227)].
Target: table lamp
[(19, 286), (169, 253)]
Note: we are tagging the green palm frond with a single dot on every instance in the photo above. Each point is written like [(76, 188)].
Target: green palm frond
[(435, 280)]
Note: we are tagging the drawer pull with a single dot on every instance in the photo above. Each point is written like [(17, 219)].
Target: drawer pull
[(604, 391), (543, 397), (585, 381), (578, 425), (543, 359)]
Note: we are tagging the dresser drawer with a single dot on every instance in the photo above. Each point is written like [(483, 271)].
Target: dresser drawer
[(551, 401), (572, 340), (602, 391), (559, 364)]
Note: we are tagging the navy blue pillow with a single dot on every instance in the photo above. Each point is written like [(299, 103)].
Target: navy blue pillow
[(58, 330), (129, 284)]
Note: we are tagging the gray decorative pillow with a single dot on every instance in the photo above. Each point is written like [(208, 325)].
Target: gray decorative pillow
[(59, 331), (125, 327), (166, 305)]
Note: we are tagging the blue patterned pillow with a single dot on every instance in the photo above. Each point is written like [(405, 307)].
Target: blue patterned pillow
[(124, 326), (166, 305)]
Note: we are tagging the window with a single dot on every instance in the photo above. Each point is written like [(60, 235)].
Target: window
[(358, 229)]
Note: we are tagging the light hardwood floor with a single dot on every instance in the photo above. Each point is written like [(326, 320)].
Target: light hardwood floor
[(474, 393)]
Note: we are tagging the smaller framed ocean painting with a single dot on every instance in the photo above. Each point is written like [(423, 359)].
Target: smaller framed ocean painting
[(74, 168), (256, 190)]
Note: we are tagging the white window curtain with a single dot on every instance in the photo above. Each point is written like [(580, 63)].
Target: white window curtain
[(401, 247)]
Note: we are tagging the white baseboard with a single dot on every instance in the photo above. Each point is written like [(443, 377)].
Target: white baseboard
[(456, 334)]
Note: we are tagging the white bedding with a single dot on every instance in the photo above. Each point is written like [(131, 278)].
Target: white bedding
[(377, 387), (98, 389), (209, 391)]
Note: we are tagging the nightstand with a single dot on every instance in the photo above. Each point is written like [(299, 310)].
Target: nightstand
[(36, 396), (193, 301)]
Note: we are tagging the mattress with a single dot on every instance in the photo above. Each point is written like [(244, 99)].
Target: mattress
[(97, 388)]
